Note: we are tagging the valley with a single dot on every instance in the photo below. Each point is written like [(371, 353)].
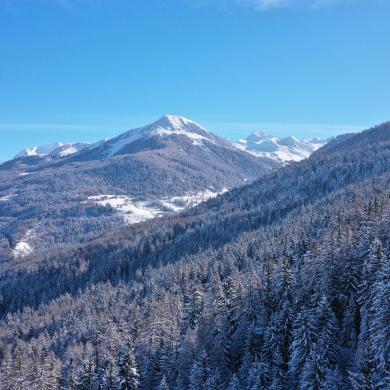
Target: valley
[(241, 272)]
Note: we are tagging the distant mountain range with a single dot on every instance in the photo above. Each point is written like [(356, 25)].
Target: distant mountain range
[(58, 149), (49, 194), (282, 150), (259, 143)]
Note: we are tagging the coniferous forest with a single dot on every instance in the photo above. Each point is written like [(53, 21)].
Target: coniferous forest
[(283, 283)]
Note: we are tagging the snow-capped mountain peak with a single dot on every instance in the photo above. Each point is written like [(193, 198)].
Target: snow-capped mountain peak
[(177, 125), (286, 149), (176, 122), (178, 130), (41, 150), (166, 126), (57, 149)]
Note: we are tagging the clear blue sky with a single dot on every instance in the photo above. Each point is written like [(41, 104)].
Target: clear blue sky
[(89, 69)]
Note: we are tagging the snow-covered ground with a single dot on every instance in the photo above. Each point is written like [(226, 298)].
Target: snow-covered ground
[(6, 198), (68, 149), (181, 203), (23, 247), (137, 211), (132, 211)]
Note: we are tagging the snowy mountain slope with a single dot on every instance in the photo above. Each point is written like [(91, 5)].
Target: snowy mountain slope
[(259, 143), (138, 211), (57, 149), (282, 150), (41, 150), (166, 160), (68, 149), (166, 129), (166, 126)]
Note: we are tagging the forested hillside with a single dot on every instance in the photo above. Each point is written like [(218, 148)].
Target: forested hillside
[(51, 201), (280, 284)]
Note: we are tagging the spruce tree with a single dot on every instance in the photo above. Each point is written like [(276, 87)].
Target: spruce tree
[(129, 378)]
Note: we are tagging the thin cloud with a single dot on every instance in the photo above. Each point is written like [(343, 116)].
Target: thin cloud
[(265, 5), (268, 5)]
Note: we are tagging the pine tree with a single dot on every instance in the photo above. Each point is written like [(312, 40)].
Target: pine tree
[(234, 383), (379, 327), (163, 384), (214, 381), (323, 354), (87, 375), (233, 315), (73, 382), (109, 375), (216, 316), (198, 374), (304, 338), (333, 380), (193, 308), (349, 323), (255, 318), (129, 378), (49, 371), (20, 368), (260, 375), (6, 371), (314, 371), (365, 374)]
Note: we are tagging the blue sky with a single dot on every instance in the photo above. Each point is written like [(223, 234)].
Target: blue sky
[(90, 69)]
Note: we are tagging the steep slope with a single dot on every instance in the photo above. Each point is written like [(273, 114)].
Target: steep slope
[(282, 283), (281, 150), (60, 198), (41, 150), (67, 149), (167, 127)]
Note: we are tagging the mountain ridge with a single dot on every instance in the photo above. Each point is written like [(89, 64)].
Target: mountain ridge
[(259, 143), (160, 168), (281, 149)]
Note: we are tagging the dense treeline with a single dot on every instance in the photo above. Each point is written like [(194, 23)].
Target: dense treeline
[(283, 284), (216, 223)]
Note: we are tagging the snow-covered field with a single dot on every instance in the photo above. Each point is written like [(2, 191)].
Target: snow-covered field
[(132, 211), (137, 211), (181, 203), (23, 247)]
